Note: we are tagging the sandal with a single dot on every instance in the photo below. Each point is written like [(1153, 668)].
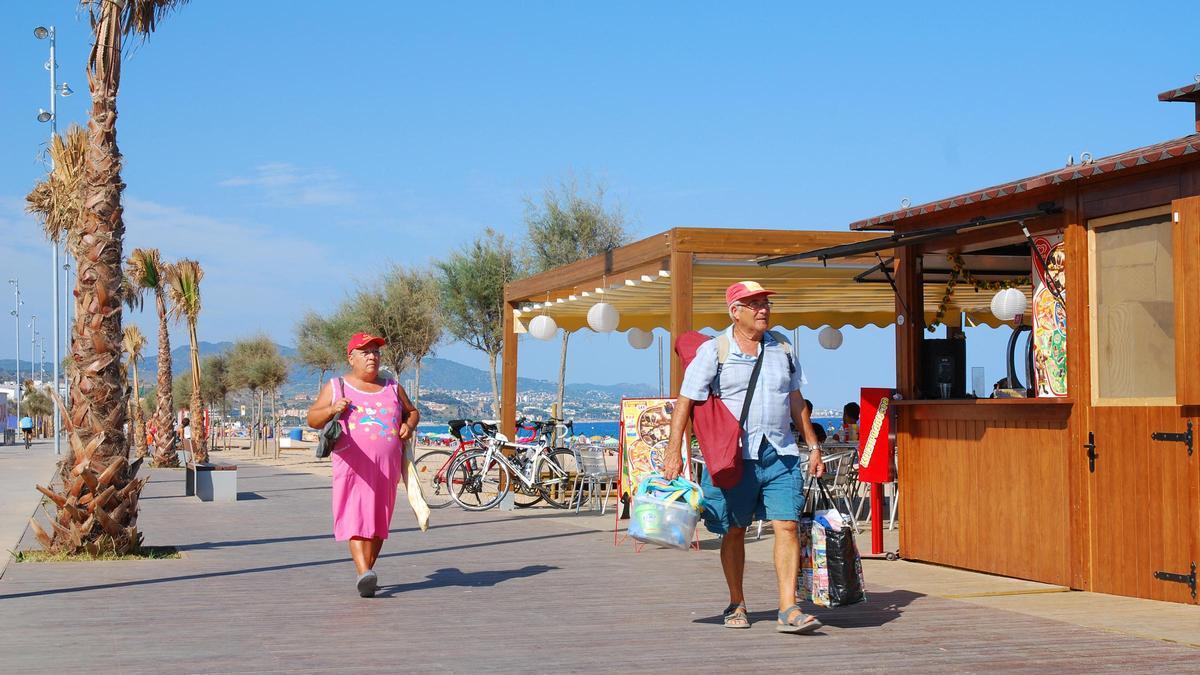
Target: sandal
[(800, 625), (736, 616)]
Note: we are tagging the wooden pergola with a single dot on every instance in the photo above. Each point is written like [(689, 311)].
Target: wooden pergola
[(676, 280)]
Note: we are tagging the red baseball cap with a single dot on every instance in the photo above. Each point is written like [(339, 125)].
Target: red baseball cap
[(745, 289), (360, 340)]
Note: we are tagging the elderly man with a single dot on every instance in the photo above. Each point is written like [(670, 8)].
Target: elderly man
[(772, 478)]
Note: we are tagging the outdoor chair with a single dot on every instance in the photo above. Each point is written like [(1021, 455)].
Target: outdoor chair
[(593, 473)]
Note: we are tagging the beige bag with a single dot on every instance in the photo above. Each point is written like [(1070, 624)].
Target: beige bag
[(415, 499)]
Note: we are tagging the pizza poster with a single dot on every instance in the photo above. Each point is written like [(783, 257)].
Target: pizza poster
[(1050, 316), (645, 432)]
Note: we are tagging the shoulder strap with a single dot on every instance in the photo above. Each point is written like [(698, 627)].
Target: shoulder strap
[(787, 350), (722, 356), (752, 386)]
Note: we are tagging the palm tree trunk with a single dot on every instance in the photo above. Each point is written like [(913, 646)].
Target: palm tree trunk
[(415, 394), (495, 386), (199, 434), (164, 412), (95, 470), (139, 420)]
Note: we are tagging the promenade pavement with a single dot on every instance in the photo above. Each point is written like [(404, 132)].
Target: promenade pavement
[(20, 470), (262, 587)]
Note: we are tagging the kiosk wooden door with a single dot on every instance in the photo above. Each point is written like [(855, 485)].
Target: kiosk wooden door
[(1144, 468), (1144, 518)]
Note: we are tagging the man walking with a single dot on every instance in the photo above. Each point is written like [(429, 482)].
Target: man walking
[(772, 478)]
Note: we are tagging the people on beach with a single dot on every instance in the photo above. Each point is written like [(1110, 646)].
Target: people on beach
[(186, 429), (772, 473), (378, 418)]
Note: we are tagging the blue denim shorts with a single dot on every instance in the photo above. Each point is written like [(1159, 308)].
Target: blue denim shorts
[(771, 488)]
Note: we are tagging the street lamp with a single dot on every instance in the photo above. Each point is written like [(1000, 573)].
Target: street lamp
[(51, 116), (16, 313)]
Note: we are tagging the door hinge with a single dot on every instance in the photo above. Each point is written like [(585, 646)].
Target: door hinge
[(1091, 452), (1185, 437), (1189, 579)]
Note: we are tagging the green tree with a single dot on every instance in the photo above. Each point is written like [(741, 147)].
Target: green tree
[(321, 342), (402, 308), (566, 226), (256, 365), (472, 291), (96, 471)]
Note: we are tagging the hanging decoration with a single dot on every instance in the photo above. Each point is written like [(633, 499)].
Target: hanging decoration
[(603, 317), (1008, 304), (830, 338), (639, 339), (542, 327), (960, 273)]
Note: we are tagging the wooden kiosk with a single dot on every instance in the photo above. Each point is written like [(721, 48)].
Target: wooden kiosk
[(1097, 488)]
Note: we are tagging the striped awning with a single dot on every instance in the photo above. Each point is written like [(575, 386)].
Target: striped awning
[(810, 295)]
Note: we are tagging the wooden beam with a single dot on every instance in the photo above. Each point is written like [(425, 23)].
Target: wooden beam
[(910, 304), (613, 263), (681, 310), (751, 242), (508, 396), (1075, 241)]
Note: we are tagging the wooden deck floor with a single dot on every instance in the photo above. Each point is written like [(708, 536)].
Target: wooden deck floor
[(263, 587)]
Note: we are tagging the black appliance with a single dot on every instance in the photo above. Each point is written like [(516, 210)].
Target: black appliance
[(944, 368)]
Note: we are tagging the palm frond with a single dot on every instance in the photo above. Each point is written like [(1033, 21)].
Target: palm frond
[(133, 342), (183, 287), (58, 199), (144, 268)]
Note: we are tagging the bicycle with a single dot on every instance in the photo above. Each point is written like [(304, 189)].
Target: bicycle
[(433, 467), (481, 479)]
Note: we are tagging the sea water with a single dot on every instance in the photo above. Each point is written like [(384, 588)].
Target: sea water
[(611, 429)]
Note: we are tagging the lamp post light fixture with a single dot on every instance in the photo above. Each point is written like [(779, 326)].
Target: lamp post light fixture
[(51, 116)]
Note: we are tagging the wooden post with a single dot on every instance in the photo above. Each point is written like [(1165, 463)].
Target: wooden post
[(681, 310), (910, 305), (508, 364)]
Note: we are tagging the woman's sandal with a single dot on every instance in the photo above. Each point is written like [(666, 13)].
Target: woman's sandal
[(736, 616), (800, 625)]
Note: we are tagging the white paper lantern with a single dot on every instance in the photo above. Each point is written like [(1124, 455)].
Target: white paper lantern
[(603, 317), (639, 339), (830, 337), (542, 327), (1008, 304)]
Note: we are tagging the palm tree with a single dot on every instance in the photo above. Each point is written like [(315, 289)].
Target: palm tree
[(146, 272), (133, 342), (183, 279), (96, 472)]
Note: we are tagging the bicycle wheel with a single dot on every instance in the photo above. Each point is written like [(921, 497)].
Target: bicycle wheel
[(558, 478), (476, 487), (433, 472)]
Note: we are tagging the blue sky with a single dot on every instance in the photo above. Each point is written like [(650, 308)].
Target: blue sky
[(297, 148)]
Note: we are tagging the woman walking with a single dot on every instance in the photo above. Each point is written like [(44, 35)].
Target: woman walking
[(378, 418)]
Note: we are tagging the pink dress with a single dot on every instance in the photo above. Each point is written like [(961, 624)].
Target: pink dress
[(367, 462)]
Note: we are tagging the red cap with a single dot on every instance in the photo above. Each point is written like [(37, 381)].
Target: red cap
[(360, 340), (745, 289)]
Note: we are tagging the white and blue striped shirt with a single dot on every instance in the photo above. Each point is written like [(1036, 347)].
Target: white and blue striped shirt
[(770, 415)]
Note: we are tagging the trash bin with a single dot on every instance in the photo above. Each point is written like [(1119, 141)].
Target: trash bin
[(296, 434)]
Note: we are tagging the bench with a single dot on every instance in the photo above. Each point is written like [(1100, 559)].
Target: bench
[(216, 482)]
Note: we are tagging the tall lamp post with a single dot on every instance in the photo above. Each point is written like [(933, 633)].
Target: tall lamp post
[(16, 313), (43, 33)]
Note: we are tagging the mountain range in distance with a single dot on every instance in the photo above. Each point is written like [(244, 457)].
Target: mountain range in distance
[(436, 373)]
